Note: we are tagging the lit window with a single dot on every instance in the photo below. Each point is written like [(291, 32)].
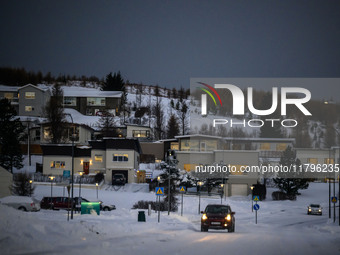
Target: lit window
[(265, 147), (96, 101), (281, 146), (28, 108), (120, 157), (313, 161), (30, 95), (329, 161), (8, 96), (140, 133), (98, 158), (57, 164)]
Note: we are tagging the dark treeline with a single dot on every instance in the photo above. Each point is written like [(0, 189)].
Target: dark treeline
[(19, 77)]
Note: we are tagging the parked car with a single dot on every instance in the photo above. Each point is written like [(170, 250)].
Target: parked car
[(103, 207), (118, 179), (218, 217), (21, 203), (56, 203), (314, 209)]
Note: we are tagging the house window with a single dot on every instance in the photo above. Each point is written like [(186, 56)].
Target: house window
[(120, 157), (281, 146), (313, 161), (70, 101), (98, 158), (37, 135), (30, 95), (28, 108), (96, 101), (140, 133), (57, 164), (8, 96), (329, 160), (203, 147), (265, 146)]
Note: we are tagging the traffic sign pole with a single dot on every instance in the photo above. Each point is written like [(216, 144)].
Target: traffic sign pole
[(182, 206), (256, 214)]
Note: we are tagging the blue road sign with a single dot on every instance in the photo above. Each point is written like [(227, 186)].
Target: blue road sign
[(334, 199), (256, 198), (256, 207), (66, 173), (159, 191), (182, 189)]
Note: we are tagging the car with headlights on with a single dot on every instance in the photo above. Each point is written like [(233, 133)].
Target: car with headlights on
[(314, 209), (216, 216), (21, 203)]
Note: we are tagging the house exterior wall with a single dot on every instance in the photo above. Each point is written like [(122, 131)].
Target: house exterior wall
[(78, 166), (130, 165), (36, 104)]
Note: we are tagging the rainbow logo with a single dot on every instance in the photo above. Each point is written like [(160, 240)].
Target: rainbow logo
[(204, 96)]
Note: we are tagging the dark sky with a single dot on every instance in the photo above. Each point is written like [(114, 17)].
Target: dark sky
[(168, 42)]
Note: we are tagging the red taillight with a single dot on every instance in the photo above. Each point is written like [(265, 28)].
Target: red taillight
[(32, 204)]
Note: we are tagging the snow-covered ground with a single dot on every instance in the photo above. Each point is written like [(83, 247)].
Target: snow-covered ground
[(283, 227)]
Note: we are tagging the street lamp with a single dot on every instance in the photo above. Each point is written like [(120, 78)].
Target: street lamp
[(97, 189), (199, 196), (72, 175), (222, 191), (51, 178), (252, 200), (31, 181), (80, 174)]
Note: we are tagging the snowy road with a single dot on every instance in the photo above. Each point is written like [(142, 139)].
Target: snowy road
[(283, 228)]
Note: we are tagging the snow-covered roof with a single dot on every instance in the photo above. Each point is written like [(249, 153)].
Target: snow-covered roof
[(197, 135), (75, 91), (9, 88), (41, 87)]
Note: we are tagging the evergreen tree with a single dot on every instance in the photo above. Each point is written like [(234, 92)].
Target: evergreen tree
[(21, 185), (158, 112), (55, 114), (290, 183), (107, 125), (113, 82), (11, 134), (173, 128), (183, 117)]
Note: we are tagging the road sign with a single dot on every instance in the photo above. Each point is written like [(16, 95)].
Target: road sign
[(182, 189), (256, 207), (256, 198), (160, 191), (66, 173), (334, 199)]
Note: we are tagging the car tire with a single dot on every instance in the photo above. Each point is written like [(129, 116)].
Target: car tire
[(203, 229), (106, 209), (22, 208)]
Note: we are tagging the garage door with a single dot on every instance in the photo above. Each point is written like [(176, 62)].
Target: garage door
[(239, 189)]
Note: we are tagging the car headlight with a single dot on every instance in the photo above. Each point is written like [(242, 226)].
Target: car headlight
[(228, 217), (319, 210), (204, 217), (309, 209)]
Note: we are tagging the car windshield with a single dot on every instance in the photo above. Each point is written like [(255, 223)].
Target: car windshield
[(217, 209), (314, 205)]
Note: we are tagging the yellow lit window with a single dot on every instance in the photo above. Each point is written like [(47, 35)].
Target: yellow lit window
[(28, 108), (313, 161), (265, 146), (98, 158), (30, 95), (329, 161), (281, 146)]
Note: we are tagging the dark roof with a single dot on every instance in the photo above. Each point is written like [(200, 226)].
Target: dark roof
[(117, 143), (65, 150)]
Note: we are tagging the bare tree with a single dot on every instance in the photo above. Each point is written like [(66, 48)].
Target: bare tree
[(158, 112)]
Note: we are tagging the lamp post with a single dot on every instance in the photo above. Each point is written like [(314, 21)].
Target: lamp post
[(31, 181), (199, 196), (222, 191), (252, 200), (51, 178), (81, 175), (72, 175), (97, 189)]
